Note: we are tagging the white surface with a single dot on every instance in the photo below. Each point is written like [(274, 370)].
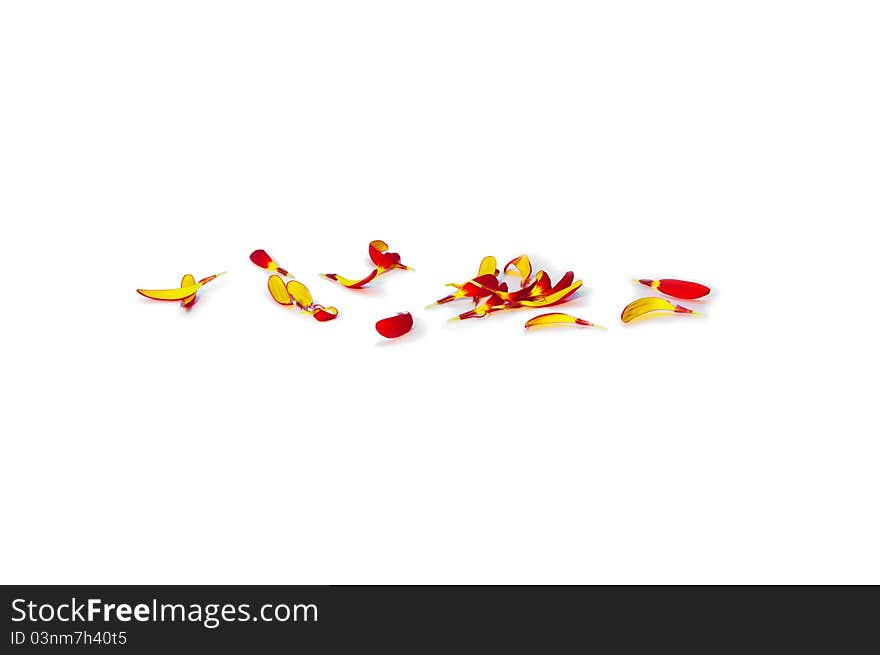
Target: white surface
[(733, 143)]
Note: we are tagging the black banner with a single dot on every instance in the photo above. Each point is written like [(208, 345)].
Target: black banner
[(151, 619)]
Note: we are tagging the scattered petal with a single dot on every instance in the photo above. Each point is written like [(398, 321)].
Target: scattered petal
[(296, 293), (642, 306), (678, 288), (262, 259), (351, 284), (395, 326), (558, 318), (325, 313), (385, 261), (182, 293)]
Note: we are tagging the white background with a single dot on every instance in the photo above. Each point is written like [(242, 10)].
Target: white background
[(733, 143)]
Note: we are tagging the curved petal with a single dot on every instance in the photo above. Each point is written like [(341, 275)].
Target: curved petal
[(395, 326), (683, 289), (557, 318), (170, 294), (300, 293), (189, 301), (519, 266), (377, 247), (488, 266), (324, 314), (641, 306), (351, 284), (262, 259), (278, 290)]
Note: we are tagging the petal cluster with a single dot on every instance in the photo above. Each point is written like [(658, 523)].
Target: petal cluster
[(292, 293)]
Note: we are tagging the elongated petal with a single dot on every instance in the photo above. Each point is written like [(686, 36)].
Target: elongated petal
[(557, 318), (395, 326), (642, 306), (678, 288), (205, 280), (262, 259), (170, 294), (490, 305), (351, 284), (278, 290), (181, 293), (300, 293)]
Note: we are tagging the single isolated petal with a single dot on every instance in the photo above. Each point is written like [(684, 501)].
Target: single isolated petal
[(558, 318), (262, 259), (395, 326), (180, 293), (682, 289), (642, 306)]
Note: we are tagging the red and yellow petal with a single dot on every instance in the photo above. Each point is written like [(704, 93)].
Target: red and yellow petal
[(557, 318), (262, 259), (643, 306)]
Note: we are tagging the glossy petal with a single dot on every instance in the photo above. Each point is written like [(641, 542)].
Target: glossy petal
[(520, 266), (376, 249), (678, 288), (491, 305), (300, 293), (169, 294), (385, 261), (488, 266), (189, 301), (325, 313), (180, 293), (395, 326), (558, 295), (351, 284), (642, 306), (262, 259), (557, 318), (278, 290)]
